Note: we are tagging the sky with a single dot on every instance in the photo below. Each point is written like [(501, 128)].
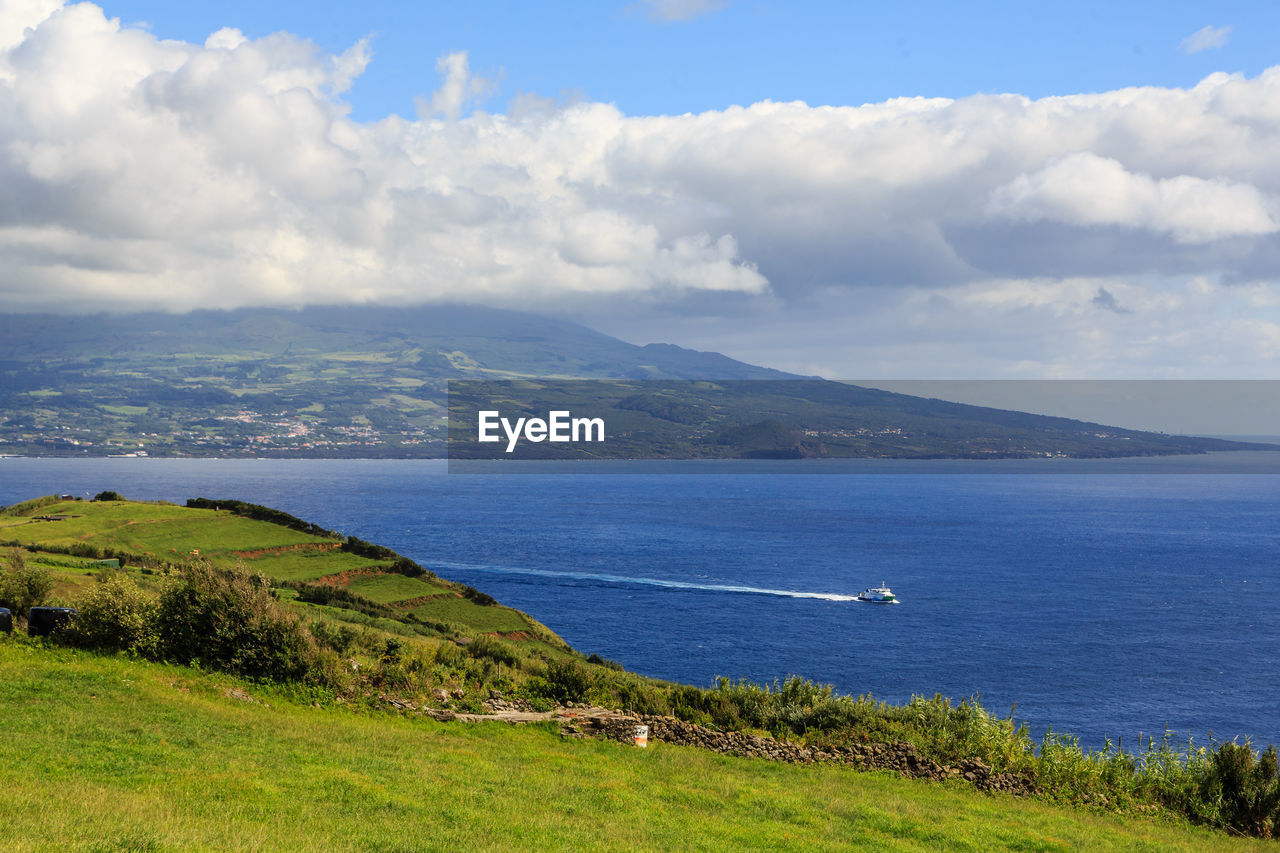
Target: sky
[(910, 190)]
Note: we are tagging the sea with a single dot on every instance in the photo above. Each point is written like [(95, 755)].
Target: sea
[(1098, 599)]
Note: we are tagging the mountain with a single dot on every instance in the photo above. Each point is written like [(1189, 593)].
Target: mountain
[(321, 381), (781, 419), (370, 381)]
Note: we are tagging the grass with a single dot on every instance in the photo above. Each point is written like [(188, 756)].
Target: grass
[(452, 608), (149, 757), (166, 533), (390, 588), (307, 565), (158, 529), (370, 654)]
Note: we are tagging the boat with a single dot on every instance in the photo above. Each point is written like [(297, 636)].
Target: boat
[(878, 595)]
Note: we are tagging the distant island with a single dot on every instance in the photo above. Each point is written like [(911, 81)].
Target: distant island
[(371, 382)]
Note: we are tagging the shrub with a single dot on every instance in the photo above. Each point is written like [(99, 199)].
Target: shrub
[(1245, 787), (230, 621), (565, 681), (482, 598), (109, 496), (340, 638), (491, 648), (258, 512), (115, 615), (336, 596), (23, 585)]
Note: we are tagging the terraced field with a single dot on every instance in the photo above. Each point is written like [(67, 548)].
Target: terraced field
[(73, 536)]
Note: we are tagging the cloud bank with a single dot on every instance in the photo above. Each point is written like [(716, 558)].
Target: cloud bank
[(137, 172)]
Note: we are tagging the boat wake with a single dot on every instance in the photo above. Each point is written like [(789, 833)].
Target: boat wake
[(637, 581)]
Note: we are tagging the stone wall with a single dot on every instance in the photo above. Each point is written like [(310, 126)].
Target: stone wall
[(901, 756)]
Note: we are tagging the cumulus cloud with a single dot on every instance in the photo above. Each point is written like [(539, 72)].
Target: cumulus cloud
[(460, 88), (681, 10), (139, 172), (1085, 189), (1205, 38)]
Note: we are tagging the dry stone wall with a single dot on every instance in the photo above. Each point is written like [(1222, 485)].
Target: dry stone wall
[(900, 756)]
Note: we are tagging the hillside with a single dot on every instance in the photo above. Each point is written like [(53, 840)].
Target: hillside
[(318, 717), (353, 381), (367, 382), (787, 419), (146, 757), (313, 567)]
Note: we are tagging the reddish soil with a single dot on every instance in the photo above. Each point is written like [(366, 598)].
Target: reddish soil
[(345, 578), (422, 599)]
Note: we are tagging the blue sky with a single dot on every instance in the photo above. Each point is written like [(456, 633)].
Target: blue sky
[(841, 53), (908, 190)]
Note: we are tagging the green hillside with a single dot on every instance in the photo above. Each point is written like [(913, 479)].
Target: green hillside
[(370, 382), (334, 694), (356, 381), (106, 753), (70, 537)]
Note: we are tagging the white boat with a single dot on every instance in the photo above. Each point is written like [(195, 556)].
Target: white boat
[(878, 595)]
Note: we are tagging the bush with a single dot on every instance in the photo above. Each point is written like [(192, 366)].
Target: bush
[(336, 596), (115, 615), (340, 638), (493, 649), (109, 496), (1245, 787), (564, 681), (22, 584), (230, 621), (258, 512), (482, 598)]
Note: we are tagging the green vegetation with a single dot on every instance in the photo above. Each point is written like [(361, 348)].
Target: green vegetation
[(23, 585), (783, 419), (362, 645), (142, 756), (372, 382), (356, 382)]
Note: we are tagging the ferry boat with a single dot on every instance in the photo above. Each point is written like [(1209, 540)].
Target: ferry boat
[(878, 595)]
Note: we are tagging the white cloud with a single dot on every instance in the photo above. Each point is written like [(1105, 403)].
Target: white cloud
[(460, 88), (1205, 38), (681, 10), (1085, 189), (136, 172)]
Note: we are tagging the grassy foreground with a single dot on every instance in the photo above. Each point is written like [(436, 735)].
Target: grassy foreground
[(106, 753)]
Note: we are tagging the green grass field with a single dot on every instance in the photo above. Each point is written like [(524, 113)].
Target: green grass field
[(159, 529), (104, 753), (308, 565), (168, 533), (390, 588), (451, 608)]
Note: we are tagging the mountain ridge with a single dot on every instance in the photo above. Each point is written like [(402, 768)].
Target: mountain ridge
[(372, 382)]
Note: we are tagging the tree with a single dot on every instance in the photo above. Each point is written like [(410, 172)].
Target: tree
[(23, 585)]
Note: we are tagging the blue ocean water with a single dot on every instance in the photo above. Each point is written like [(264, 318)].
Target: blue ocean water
[(1103, 604)]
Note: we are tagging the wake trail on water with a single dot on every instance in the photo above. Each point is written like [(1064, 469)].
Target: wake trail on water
[(659, 582)]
